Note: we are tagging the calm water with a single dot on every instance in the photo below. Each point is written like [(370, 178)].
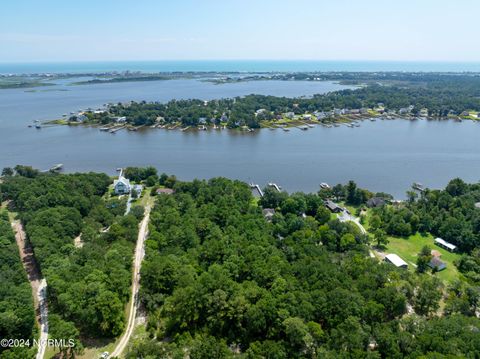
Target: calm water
[(234, 65), (382, 155)]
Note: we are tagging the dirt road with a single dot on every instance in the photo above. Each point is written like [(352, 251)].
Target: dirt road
[(139, 254), (38, 284)]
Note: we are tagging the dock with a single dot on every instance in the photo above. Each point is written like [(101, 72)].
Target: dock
[(114, 130), (256, 190), (274, 185)]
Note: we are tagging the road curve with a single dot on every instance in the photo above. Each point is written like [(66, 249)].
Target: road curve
[(38, 284), (139, 254)]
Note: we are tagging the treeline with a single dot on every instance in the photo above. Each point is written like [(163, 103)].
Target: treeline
[(84, 247), (440, 94), (221, 281), (17, 316)]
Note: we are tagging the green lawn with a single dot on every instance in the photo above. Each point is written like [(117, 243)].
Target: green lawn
[(409, 248)]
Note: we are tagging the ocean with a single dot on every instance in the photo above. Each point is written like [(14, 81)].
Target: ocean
[(235, 65)]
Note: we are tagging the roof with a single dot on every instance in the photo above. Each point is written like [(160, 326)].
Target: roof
[(477, 204), (396, 260), (435, 253), (444, 243), (375, 202), (121, 180), (165, 191), (437, 263), (268, 211), (331, 205)]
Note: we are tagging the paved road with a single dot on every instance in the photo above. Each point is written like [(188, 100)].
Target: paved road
[(139, 254), (38, 284)]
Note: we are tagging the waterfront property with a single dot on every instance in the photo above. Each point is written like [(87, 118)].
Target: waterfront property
[(333, 207), (122, 185)]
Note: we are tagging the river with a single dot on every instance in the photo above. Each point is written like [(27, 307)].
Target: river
[(381, 156)]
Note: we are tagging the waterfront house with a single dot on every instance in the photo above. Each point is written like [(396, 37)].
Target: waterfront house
[(202, 121), (445, 245), (396, 260), (332, 206), (290, 115), (122, 186), (307, 117), (375, 202)]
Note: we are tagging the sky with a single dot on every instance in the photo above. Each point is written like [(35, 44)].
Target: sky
[(106, 30)]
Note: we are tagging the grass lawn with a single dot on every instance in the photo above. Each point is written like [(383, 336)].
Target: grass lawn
[(409, 248)]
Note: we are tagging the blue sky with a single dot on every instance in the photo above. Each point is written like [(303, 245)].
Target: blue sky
[(89, 30)]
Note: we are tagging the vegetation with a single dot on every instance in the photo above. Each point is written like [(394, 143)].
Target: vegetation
[(17, 317), (442, 95), (88, 286), (220, 281)]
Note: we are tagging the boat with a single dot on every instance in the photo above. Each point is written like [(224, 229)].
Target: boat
[(349, 125), (37, 126), (286, 129), (202, 128), (324, 185)]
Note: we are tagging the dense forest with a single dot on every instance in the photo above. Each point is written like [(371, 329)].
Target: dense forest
[(219, 281), (17, 317), (442, 95), (88, 279)]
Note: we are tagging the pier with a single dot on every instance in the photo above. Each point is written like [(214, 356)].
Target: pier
[(256, 190), (274, 185)]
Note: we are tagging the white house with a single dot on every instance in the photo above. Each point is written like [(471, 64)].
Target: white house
[(122, 185)]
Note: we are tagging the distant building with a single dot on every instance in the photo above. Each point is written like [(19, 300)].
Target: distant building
[(332, 206), (268, 213), (307, 117), (139, 189), (122, 119), (290, 115), (445, 245), (477, 205), (437, 264), (122, 186), (396, 260), (167, 191), (375, 202), (202, 121)]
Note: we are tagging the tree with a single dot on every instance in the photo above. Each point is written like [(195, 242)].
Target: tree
[(323, 215), (381, 238), (423, 259), (427, 296), (7, 171)]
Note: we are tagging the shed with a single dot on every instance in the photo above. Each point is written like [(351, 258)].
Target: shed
[(396, 260), (437, 264), (446, 245), (167, 191)]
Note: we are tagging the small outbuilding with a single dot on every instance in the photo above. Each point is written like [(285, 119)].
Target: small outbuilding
[(167, 191), (396, 260), (445, 245), (268, 213), (437, 264)]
